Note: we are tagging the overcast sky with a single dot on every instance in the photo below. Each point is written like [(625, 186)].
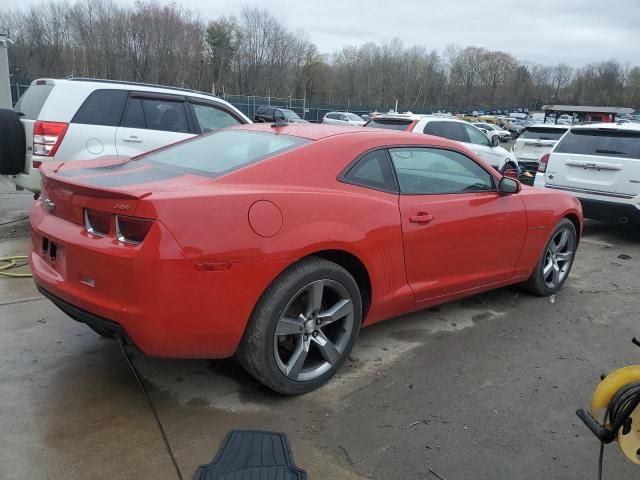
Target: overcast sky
[(544, 31)]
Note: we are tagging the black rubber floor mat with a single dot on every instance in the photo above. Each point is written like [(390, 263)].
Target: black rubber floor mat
[(252, 455)]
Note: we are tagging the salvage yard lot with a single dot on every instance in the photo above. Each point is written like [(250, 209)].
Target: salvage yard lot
[(485, 387)]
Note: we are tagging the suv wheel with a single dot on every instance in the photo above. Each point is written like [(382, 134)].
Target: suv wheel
[(303, 327), (12, 143)]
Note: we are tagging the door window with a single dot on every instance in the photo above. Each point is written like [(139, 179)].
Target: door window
[(102, 107), (134, 116), (437, 171), (476, 136), (450, 130), (211, 118), (165, 115)]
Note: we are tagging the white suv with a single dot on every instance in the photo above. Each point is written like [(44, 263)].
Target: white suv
[(453, 129), (599, 164), (78, 119), (534, 142)]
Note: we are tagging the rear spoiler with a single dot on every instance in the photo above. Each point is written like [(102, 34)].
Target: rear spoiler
[(50, 178)]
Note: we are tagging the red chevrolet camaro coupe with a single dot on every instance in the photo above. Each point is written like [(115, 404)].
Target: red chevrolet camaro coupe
[(276, 244)]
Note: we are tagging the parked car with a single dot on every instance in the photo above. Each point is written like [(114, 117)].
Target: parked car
[(343, 118), (453, 129), (515, 127), (599, 164), (491, 131), (270, 114), (534, 142), (228, 244), (78, 119)]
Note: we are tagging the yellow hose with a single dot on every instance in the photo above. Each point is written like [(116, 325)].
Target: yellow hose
[(11, 263)]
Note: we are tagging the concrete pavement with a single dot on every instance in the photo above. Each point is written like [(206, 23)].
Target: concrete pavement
[(482, 388)]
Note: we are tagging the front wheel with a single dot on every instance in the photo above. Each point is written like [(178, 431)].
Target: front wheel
[(303, 327), (556, 261)]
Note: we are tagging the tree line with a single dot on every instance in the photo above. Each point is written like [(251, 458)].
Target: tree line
[(256, 54)]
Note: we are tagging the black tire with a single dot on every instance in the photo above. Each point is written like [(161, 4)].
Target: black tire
[(12, 143), (536, 284), (259, 350)]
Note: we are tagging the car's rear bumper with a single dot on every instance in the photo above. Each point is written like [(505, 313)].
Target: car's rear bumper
[(610, 211), (165, 303), (601, 206), (28, 181)]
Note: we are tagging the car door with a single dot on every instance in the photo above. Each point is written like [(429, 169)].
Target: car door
[(209, 116), (152, 121), (459, 233), (92, 131), (480, 144)]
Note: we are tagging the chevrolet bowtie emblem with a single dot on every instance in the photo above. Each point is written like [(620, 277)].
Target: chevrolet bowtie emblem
[(49, 205)]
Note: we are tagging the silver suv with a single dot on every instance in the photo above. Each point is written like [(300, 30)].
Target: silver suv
[(79, 119)]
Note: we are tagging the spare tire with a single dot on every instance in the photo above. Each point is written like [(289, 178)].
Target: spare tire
[(12, 143)]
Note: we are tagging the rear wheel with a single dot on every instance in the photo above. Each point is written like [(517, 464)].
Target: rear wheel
[(12, 143), (303, 327), (555, 264)]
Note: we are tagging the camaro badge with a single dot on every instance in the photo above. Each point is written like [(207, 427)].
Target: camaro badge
[(121, 206)]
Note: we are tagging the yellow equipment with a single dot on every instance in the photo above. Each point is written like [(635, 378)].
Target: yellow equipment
[(615, 411)]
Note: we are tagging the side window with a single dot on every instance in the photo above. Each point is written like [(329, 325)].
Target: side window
[(102, 107), (450, 130), (134, 116), (372, 170), (332, 116), (437, 171), (211, 118), (344, 118), (165, 115), (476, 136)]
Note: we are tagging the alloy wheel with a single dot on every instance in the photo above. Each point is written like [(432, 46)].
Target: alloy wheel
[(313, 330), (558, 258)]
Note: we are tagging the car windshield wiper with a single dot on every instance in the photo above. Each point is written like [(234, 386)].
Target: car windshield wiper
[(611, 152)]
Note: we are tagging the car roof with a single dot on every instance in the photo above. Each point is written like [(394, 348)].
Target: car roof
[(549, 125), (91, 84), (629, 127), (320, 131)]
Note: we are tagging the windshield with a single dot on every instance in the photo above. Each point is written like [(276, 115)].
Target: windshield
[(541, 133), (606, 143), (353, 117), (290, 114), (224, 151)]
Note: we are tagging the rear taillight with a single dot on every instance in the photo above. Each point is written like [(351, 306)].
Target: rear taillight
[(131, 229), (544, 160), (97, 223), (47, 137)]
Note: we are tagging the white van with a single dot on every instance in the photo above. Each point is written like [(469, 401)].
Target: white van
[(81, 119), (599, 164)]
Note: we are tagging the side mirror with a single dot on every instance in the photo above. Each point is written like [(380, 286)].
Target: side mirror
[(495, 141), (509, 186)]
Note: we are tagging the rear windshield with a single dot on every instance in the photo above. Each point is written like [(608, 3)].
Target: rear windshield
[(389, 123), (32, 101), (601, 143), (541, 133), (224, 151)]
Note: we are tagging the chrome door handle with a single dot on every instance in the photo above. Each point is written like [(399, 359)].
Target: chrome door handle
[(132, 139), (421, 218)]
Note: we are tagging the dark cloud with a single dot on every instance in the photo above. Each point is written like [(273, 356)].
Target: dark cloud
[(544, 31)]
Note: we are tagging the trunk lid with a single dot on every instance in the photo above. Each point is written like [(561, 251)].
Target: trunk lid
[(534, 142), (109, 185), (597, 160)]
